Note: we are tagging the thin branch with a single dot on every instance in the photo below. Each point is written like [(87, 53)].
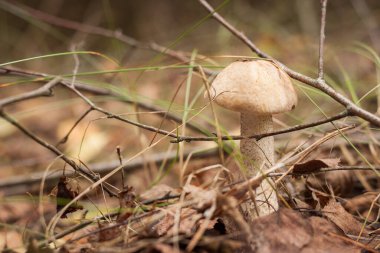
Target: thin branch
[(103, 92), (10, 185), (52, 149), (322, 37), (44, 91), (114, 116), (118, 151), (66, 137), (176, 137), (260, 136), (179, 138), (14, 182), (329, 169), (316, 83)]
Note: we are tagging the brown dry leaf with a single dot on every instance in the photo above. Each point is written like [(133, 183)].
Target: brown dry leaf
[(13, 211), (158, 191), (66, 193), (321, 198), (300, 204), (77, 248), (105, 235), (220, 244), (323, 242), (288, 231), (204, 197), (338, 182), (127, 203), (361, 205), (189, 221), (11, 240), (315, 165), (335, 212), (283, 231), (163, 248)]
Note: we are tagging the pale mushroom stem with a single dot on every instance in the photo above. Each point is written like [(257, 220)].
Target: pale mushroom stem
[(258, 155)]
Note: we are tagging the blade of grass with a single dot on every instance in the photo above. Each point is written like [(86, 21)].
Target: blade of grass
[(343, 135), (61, 54), (181, 146), (348, 83), (368, 52), (119, 70)]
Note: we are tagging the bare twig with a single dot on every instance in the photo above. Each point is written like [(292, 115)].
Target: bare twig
[(329, 169), (188, 138), (66, 137), (322, 39), (114, 116), (260, 136), (46, 90), (103, 92), (98, 168), (316, 83), (118, 151), (178, 138), (102, 168)]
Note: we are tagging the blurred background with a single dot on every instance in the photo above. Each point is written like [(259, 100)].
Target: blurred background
[(131, 48), (287, 30)]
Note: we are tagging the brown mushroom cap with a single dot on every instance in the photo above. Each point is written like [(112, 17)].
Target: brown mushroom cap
[(257, 86)]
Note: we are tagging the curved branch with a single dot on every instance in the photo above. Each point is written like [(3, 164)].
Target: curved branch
[(260, 136), (102, 92), (319, 84)]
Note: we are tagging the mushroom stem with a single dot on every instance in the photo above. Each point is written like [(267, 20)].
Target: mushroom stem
[(258, 155)]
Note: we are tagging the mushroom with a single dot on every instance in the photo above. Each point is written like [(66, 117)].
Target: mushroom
[(257, 89)]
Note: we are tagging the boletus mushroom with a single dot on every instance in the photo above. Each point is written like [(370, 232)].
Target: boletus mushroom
[(257, 89)]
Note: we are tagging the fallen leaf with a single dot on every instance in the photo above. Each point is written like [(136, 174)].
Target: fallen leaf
[(322, 240), (189, 221), (287, 231), (163, 248), (127, 203), (220, 244), (337, 182), (65, 194), (335, 212), (283, 231), (315, 165), (204, 197), (361, 204), (11, 240), (106, 234), (34, 248), (158, 191)]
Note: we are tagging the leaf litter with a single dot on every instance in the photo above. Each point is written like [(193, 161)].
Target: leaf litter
[(195, 219), (155, 228)]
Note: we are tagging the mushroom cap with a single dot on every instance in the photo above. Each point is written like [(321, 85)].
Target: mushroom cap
[(257, 86)]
